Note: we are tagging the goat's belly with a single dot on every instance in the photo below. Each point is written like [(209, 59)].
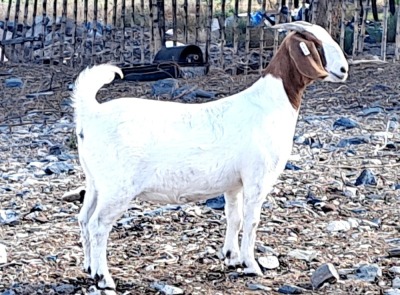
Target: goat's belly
[(159, 198), (170, 193)]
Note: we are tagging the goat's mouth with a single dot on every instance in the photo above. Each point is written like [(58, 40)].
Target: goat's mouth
[(337, 77)]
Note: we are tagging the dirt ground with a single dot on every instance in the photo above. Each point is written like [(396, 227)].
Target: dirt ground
[(180, 247)]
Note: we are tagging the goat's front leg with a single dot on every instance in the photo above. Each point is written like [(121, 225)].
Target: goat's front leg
[(253, 200), (234, 217)]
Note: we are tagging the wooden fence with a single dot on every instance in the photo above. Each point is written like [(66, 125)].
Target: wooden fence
[(82, 32)]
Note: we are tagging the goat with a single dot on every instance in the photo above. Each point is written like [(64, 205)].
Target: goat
[(168, 152)]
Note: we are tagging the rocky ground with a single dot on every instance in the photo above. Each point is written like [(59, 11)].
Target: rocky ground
[(334, 209)]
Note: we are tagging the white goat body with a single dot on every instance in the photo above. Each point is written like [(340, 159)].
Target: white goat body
[(177, 153), (168, 152)]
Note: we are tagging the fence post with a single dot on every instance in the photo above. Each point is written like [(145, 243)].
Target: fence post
[(384, 32), (197, 22), (362, 30), (235, 28), (397, 50), (355, 28), (276, 32), (248, 27), (209, 23), (142, 31), (222, 59), (343, 24), (264, 4)]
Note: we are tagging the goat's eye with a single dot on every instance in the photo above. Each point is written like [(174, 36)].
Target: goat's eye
[(343, 70)]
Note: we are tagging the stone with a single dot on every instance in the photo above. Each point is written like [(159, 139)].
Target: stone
[(290, 166), (396, 283), (77, 194), (307, 255), (14, 83), (392, 292), (255, 286), (3, 254), (289, 289), (338, 225), (324, 273), (395, 269), (344, 123), (269, 262), (217, 203), (368, 272), (345, 142), (9, 217), (58, 168), (166, 289), (366, 178)]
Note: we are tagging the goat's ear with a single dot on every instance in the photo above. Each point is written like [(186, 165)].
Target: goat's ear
[(305, 56)]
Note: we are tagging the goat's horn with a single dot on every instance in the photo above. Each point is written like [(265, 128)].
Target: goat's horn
[(299, 26)]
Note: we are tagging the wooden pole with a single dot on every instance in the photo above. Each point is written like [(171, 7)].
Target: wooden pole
[(35, 2), (186, 21), (85, 32), (142, 32), (14, 32), (343, 24), (222, 58), (264, 5), (6, 26), (235, 28), (123, 21), (209, 23), (174, 23), (397, 51), (314, 11), (329, 16), (355, 28), (303, 10), (161, 20), (44, 31), (384, 32), (74, 32), (63, 29), (53, 31), (25, 29), (94, 27), (248, 28), (197, 22), (114, 29), (363, 27), (276, 33)]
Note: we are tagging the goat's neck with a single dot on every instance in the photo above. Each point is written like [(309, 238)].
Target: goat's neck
[(294, 83)]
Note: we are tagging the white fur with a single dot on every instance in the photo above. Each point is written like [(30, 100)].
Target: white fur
[(169, 152)]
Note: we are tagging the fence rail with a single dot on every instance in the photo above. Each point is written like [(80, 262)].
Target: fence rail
[(82, 32)]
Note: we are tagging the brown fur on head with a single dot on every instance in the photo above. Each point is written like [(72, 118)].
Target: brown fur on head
[(296, 69)]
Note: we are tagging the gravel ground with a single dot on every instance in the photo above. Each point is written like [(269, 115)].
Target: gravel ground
[(336, 203)]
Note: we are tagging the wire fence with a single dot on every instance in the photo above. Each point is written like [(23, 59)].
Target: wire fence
[(83, 32)]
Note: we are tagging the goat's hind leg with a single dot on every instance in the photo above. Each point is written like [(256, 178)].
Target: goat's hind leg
[(89, 205), (234, 217), (110, 206)]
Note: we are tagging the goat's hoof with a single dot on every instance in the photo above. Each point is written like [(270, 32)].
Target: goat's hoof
[(253, 271), (232, 258), (87, 269), (98, 277)]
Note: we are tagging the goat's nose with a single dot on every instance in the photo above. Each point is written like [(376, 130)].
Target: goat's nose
[(343, 70)]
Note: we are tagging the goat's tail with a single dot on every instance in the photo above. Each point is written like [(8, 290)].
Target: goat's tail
[(88, 84)]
